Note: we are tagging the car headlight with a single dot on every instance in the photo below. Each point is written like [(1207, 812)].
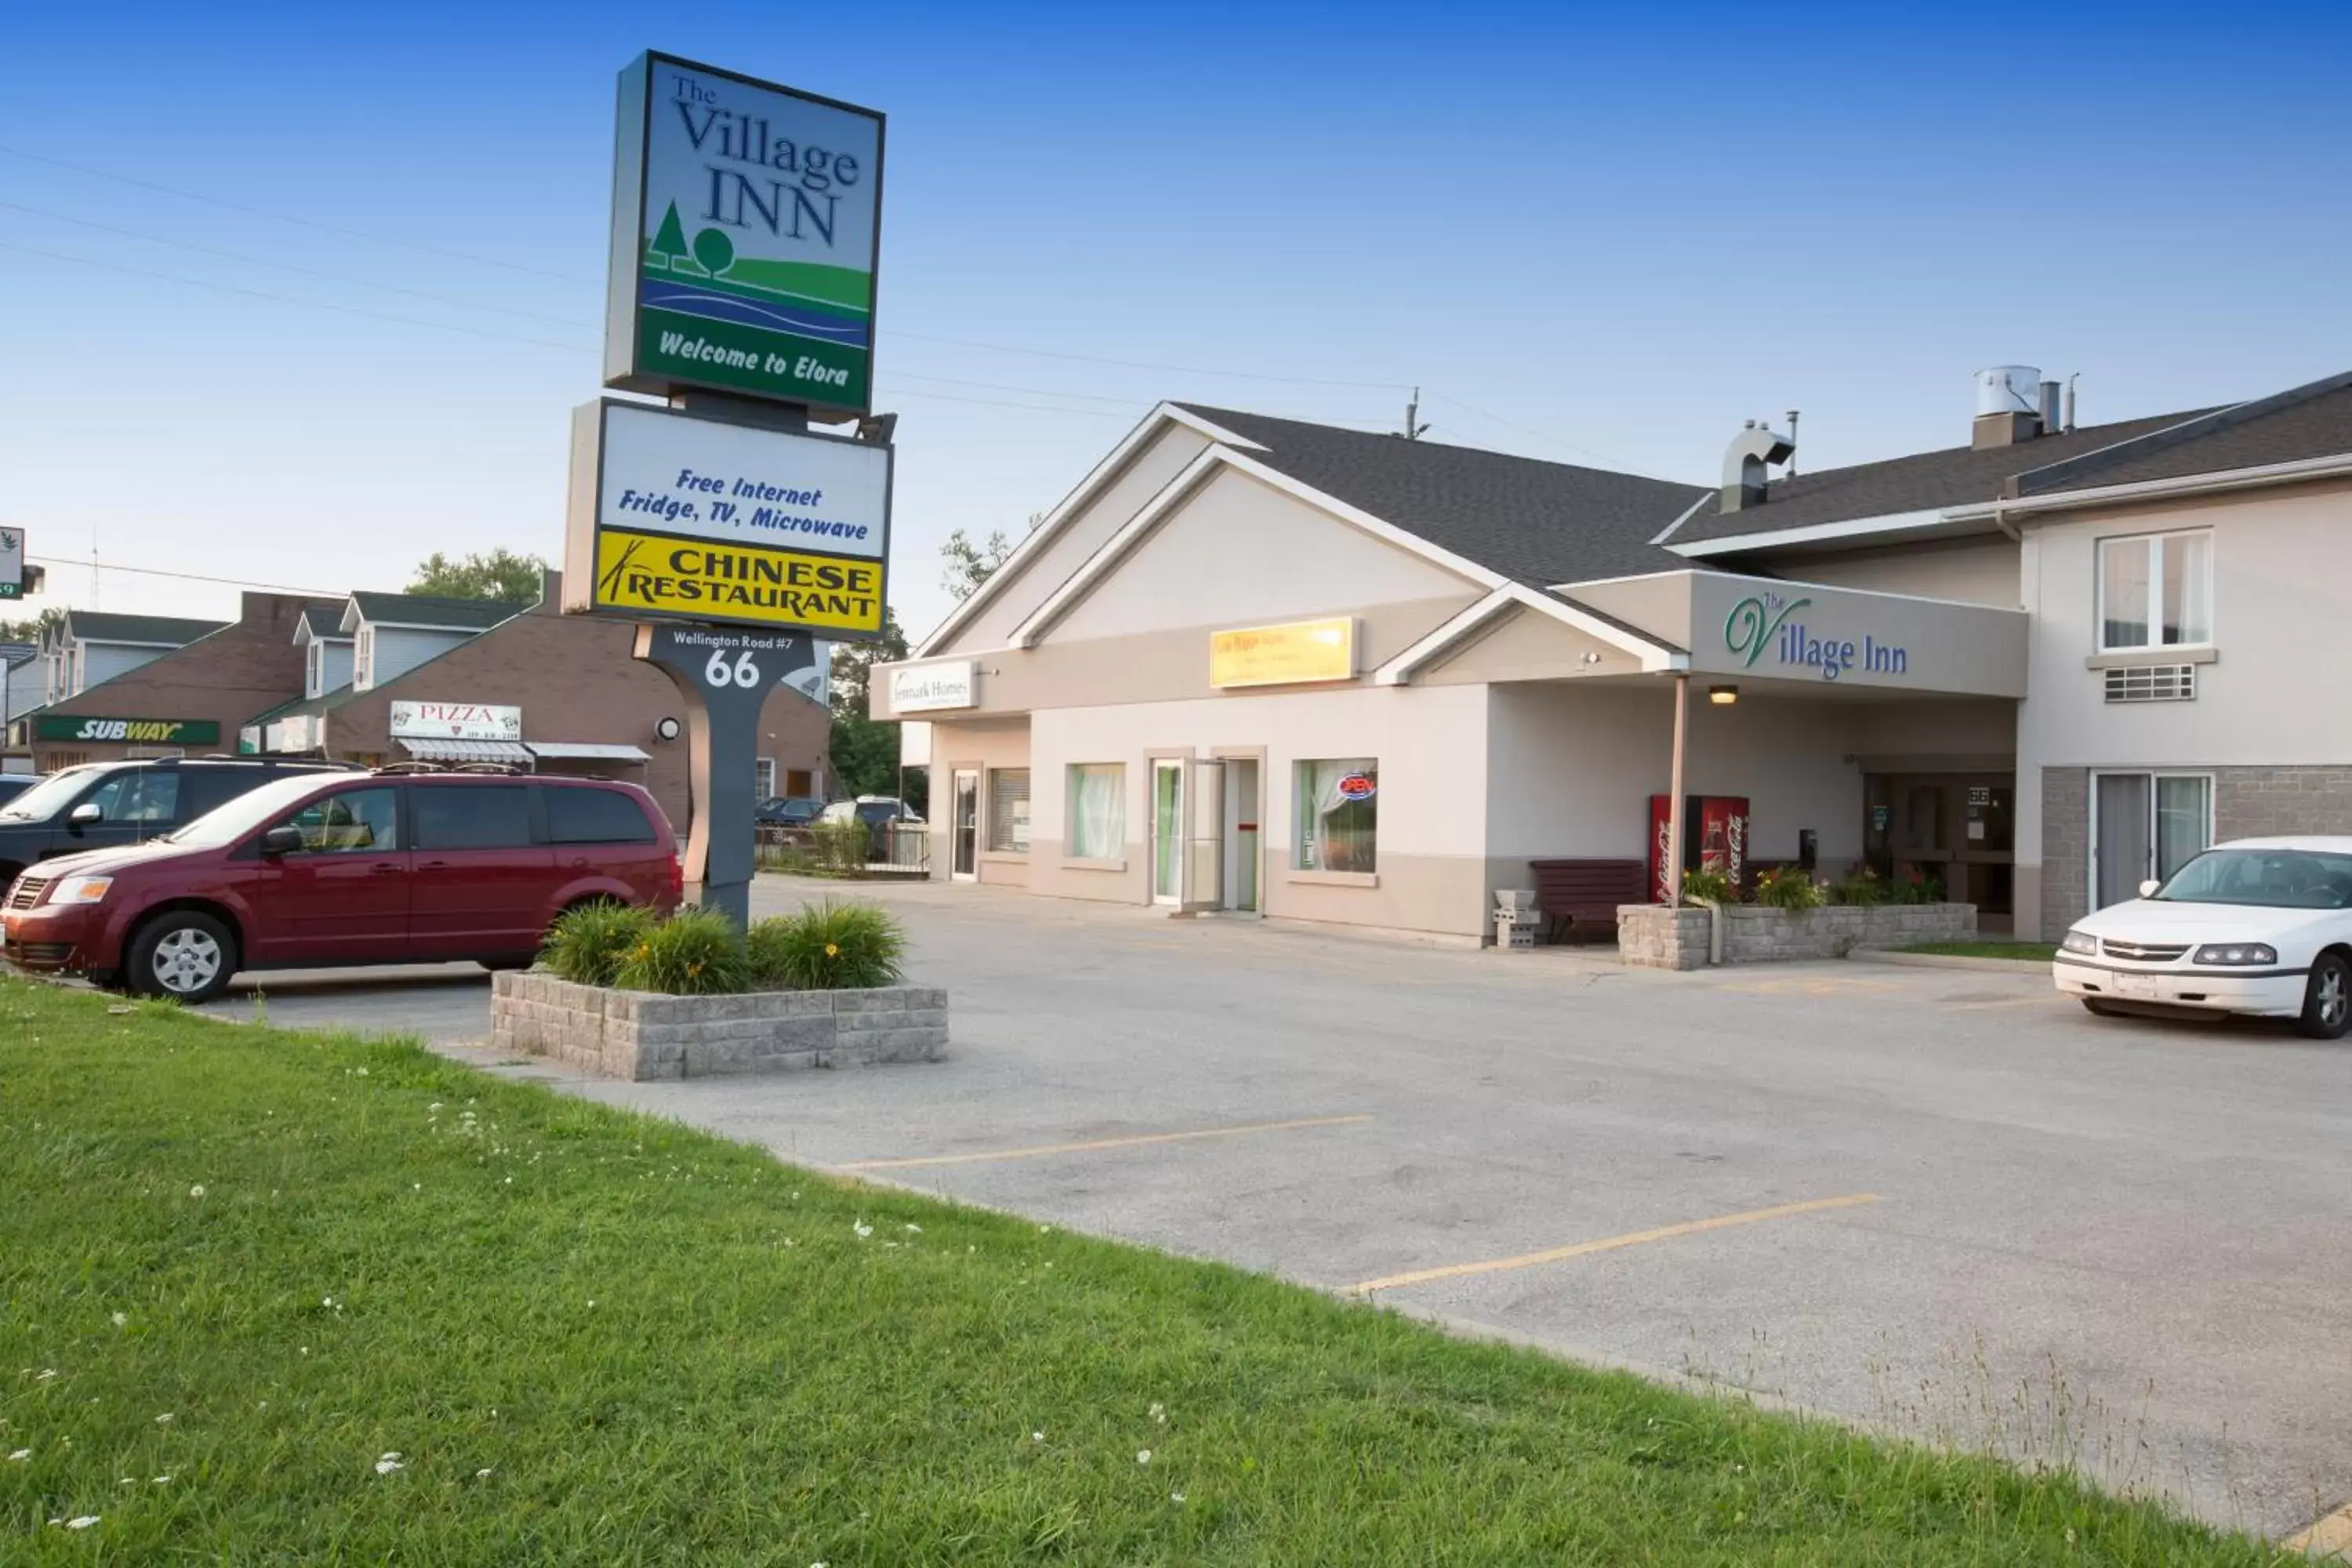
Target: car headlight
[(80, 889), (2231, 953), (2080, 941)]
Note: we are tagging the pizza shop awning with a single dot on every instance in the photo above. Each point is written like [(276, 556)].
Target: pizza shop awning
[(585, 751), (437, 751)]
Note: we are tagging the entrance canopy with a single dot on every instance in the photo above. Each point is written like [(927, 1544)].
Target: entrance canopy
[(440, 751)]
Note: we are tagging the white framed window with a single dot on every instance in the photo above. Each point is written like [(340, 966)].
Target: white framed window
[(1337, 809), (2145, 825), (363, 659), (2155, 590), (1008, 810), (1097, 810), (764, 786)]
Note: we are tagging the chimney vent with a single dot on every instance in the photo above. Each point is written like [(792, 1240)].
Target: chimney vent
[(2009, 406), (1751, 451)]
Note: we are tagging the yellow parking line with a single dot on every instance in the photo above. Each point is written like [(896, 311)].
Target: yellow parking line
[(2330, 1534), (1611, 1244), (1092, 1144)]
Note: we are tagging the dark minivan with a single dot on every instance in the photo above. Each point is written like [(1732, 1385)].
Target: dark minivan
[(345, 868), (104, 805)]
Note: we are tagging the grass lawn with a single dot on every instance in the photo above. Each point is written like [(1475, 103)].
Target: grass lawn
[(291, 1296), (2036, 951)]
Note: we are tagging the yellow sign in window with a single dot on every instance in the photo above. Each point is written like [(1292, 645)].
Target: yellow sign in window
[(739, 582), (1284, 654)]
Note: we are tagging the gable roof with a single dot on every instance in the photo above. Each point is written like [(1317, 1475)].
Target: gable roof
[(322, 621), (151, 631), (2305, 422), (1537, 523), (429, 610)]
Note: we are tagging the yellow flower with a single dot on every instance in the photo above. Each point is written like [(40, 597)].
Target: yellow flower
[(832, 950), (692, 970)]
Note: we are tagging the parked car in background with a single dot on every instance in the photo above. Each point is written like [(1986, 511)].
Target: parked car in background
[(345, 868), (104, 805), (788, 811), (14, 785), (2257, 926), (877, 811)]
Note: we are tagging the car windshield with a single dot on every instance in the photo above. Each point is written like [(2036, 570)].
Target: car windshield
[(40, 803), (2272, 879), (253, 809)]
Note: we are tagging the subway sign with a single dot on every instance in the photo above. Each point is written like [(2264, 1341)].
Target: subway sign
[(134, 731)]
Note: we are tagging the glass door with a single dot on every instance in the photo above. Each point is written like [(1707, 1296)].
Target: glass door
[(1166, 831), (2145, 825), (964, 827)]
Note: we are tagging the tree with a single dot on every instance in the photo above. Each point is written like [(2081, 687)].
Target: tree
[(864, 751), (32, 628), (972, 563), (499, 575), (670, 240)]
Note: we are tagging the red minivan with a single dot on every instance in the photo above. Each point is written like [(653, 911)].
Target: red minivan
[(345, 868)]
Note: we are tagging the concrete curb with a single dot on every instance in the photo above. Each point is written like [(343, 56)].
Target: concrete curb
[(1950, 961)]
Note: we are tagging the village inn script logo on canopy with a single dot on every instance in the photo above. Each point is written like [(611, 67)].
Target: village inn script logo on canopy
[(1763, 621), (754, 212)]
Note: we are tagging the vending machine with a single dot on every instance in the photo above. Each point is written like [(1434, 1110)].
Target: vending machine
[(1715, 839)]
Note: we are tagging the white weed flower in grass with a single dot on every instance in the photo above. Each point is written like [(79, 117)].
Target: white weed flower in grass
[(165, 1419), (1143, 1456), (389, 1463), (20, 1455), (82, 1521), (46, 1374), (862, 1229), (484, 1473), (1176, 1497), (160, 1480), (913, 1226), (120, 1319), (197, 1191), (1158, 1412)]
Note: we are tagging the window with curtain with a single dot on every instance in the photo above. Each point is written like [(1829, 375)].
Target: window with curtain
[(1097, 813), (2155, 590), (1008, 809), (1338, 808)]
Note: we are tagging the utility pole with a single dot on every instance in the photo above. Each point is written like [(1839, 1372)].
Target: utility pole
[(1414, 427)]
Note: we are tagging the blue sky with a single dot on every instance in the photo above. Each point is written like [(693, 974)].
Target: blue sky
[(1588, 234)]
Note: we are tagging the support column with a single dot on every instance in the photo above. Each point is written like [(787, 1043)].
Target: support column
[(1674, 798)]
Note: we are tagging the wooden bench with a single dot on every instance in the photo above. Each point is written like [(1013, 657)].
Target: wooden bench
[(1587, 892)]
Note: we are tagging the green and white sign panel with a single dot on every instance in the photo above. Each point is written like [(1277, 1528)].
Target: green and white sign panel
[(746, 219), (12, 563)]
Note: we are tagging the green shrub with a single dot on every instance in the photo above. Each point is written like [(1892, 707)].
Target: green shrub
[(1788, 887), (836, 945), (587, 944), (843, 845), (1862, 887), (695, 953), (1708, 888), (1918, 888)]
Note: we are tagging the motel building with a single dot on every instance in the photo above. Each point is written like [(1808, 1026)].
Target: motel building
[(1262, 667)]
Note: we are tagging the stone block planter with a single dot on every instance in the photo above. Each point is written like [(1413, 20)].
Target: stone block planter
[(1654, 937), (638, 1035)]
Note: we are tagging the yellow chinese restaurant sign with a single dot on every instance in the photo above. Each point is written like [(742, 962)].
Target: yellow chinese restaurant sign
[(701, 580), (1286, 654)]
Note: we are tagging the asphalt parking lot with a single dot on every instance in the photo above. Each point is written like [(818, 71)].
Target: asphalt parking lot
[(1940, 1203)]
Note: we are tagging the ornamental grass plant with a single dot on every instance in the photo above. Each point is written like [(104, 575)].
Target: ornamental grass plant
[(587, 945), (695, 953), (838, 944)]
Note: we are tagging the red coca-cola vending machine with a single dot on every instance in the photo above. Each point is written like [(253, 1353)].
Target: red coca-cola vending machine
[(1715, 838)]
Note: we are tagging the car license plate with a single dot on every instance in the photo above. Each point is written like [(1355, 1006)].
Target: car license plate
[(2135, 985)]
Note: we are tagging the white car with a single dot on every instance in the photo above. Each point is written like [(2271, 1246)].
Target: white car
[(2257, 926)]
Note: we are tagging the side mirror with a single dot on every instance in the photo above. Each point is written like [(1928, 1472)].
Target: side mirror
[(2147, 889), (87, 812), (281, 841)]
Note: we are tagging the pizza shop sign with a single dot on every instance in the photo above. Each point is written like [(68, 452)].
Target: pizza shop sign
[(456, 721)]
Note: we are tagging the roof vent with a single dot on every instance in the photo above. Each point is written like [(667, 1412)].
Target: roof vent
[(1744, 463), (2009, 406)]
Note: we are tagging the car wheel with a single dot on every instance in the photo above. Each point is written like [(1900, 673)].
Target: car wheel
[(2102, 1009), (2327, 998), (185, 954)]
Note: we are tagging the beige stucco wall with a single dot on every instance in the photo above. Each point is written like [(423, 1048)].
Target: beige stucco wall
[(2282, 602), (1571, 770), (1527, 645), (1051, 565), (1242, 553), (1980, 571)]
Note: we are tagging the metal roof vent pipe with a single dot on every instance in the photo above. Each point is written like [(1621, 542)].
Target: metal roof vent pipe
[(2009, 406), (2050, 425), (1751, 452)]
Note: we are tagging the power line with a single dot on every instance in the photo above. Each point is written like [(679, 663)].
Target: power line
[(1548, 437), (289, 267), (62, 561), (292, 299), (289, 218)]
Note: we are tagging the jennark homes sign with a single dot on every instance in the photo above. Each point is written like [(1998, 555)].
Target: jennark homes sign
[(689, 518), (745, 222), (456, 721), (136, 731)]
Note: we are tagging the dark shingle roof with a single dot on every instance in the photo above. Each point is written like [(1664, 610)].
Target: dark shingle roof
[(2285, 429), (99, 625), (324, 618), (427, 610), (1956, 475), (1538, 523)]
